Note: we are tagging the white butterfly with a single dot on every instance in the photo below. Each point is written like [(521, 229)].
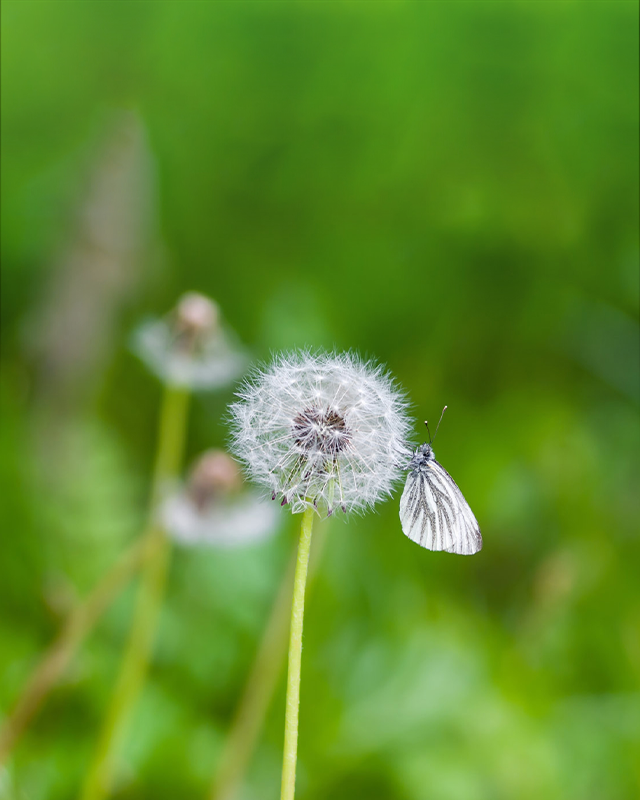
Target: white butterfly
[(433, 511)]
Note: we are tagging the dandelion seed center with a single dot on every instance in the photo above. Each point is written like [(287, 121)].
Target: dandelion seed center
[(321, 430)]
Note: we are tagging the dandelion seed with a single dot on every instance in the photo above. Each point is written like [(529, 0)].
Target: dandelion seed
[(213, 509), (323, 431), (189, 347)]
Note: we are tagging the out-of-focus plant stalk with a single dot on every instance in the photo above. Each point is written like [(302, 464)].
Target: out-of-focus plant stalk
[(79, 623), (173, 418), (290, 754), (82, 619), (70, 338)]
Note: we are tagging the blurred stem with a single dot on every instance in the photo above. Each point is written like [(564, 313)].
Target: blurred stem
[(260, 687), (290, 755), (171, 437), (80, 621)]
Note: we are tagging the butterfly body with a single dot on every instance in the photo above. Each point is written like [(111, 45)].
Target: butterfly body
[(433, 511)]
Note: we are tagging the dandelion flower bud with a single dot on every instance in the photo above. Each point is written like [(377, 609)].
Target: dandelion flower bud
[(212, 509), (322, 430), (190, 347)]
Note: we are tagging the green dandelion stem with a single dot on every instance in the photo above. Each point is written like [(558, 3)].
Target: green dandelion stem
[(252, 708), (261, 684), (295, 659)]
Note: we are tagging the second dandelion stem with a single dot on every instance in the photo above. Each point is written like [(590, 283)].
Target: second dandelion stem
[(295, 659), (173, 417)]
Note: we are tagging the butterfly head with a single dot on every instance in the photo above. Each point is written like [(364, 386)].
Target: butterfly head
[(423, 454)]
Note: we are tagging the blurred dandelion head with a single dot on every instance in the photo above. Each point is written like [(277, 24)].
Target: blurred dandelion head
[(190, 347), (322, 430), (214, 474), (212, 509), (196, 315)]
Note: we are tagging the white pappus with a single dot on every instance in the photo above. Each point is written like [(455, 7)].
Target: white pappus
[(433, 511), (322, 430)]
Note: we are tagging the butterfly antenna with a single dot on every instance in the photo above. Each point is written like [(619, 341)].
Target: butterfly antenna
[(431, 438), (439, 421), (428, 431)]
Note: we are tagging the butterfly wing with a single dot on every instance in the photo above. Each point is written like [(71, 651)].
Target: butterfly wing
[(435, 515)]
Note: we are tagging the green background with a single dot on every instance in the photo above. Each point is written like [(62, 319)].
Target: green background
[(450, 187)]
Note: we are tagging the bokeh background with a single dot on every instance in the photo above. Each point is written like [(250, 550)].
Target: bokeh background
[(450, 187)]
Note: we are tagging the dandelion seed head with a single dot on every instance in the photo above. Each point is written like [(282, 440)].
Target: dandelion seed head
[(212, 509), (190, 347), (322, 430)]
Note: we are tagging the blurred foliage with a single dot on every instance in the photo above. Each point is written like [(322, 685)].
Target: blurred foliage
[(449, 186)]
